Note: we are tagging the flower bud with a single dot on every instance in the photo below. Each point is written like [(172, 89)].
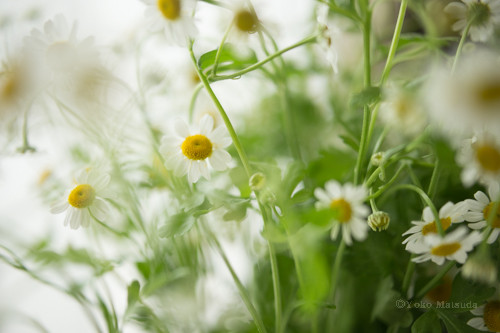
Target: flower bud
[(480, 267), (378, 159), (257, 181), (379, 221)]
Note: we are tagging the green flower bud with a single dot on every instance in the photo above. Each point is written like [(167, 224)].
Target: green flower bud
[(379, 221)]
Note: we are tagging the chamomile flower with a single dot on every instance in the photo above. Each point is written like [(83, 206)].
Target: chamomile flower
[(480, 159), (174, 17), (453, 246), (480, 209), (468, 100), (488, 317), (191, 151), (349, 212), (56, 51), (85, 200), (482, 15), (448, 214)]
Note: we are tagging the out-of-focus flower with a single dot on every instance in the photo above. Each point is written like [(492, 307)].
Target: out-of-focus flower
[(480, 209), (448, 214), (480, 159), (85, 200), (453, 246), (14, 87), (468, 100), (190, 151), (257, 181), (487, 319), (402, 112), (245, 20), (349, 212), (480, 267), (482, 15), (327, 35), (174, 17)]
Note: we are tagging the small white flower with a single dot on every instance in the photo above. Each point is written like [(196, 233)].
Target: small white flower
[(57, 52), (328, 33), (479, 211), (448, 214), (468, 100), (483, 15), (346, 204), (487, 319), (85, 200), (453, 246), (174, 17), (190, 151), (480, 159)]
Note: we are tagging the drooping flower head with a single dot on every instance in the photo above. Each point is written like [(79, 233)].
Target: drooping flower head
[(348, 211), (480, 210), (191, 150)]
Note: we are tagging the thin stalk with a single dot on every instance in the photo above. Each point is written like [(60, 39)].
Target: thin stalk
[(26, 146), (460, 46), (336, 266), (259, 64), (432, 283), (192, 102), (386, 185), (431, 191), (410, 268), (219, 50), (395, 41), (362, 146), (276, 288), (227, 122)]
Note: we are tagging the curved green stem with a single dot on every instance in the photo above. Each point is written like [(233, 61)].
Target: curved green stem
[(460, 46), (386, 185), (219, 50), (395, 41), (259, 64), (192, 102)]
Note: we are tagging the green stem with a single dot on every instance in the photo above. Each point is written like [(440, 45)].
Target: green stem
[(336, 267), (219, 50), (395, 41), (227, 122), (257, 65), (460, 46), (431, 191), (243, 293), (410, 268), (192, 102), (386, 185), (435, 280), (276, 288)]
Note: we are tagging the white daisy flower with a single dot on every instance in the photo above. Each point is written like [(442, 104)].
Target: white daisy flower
[(479, 211), (346, 204), (328, 33), (174, 17), (448, 214), (402, 111), (488, 317), (480, 159), (245, 21), (85, 200), (190, 151), (483, 15), (57, 51), (468, 100), (453, 246)]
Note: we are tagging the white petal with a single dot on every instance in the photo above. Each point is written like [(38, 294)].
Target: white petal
[(76, 219), (481, 197), (477, 323), (456, 9), (473, 216), (193, 172), (220, 159), (321, 195), (427, 214), (346, 235), (59, 207), (99, 209), (206, 124), (181, 128), (333, 188), (85, 218)]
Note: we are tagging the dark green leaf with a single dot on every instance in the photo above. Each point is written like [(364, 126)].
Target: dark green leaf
[(467, 295), (454, 325), (133, 293), (428, 323), (367, 96)]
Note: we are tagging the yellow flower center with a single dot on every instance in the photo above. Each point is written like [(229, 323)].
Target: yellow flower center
[(197, 147), (171, 9), (488, 93), (492, 316), (342, 210), (245, 21), (82, 196), (488, 157), (446, 249), (432, 227), (496, 218), (10, 87)]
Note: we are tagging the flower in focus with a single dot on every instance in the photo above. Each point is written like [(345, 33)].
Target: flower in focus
[(448, 214), (488, 317), (480, 210), (480, 159), (349, 212), (174, 17), (86, 200), (482, 15), (379, 221), (453, 246), (468, 100), (191, 151)]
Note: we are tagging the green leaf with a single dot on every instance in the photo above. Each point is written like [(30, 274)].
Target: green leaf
[(454, 325), (236, 212), (293, 176), (388, 307), (177, 225), (368, 96), (332, 164), (133, 293), (240, 180), (351, 142), (428, 322), (230, 58), (301, 196), (467, 295)]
